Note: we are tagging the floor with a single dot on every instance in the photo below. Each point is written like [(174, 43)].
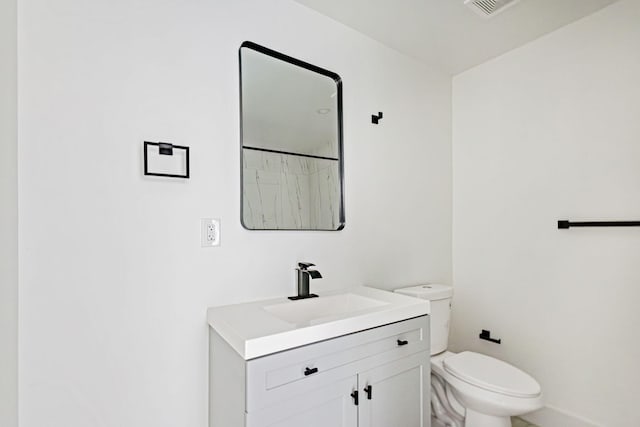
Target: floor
[(519, 422)]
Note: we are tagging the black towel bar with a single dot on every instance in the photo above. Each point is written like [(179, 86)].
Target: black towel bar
[(563, 224)]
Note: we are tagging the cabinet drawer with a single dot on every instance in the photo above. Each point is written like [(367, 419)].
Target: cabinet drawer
[(282, 375), (320, 363)]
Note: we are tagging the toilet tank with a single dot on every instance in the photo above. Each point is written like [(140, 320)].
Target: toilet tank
[(439, 297)]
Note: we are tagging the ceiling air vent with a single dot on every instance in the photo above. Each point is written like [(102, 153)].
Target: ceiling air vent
[(489, 8)]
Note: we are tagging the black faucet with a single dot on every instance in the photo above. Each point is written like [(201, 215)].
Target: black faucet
[(303, 280)]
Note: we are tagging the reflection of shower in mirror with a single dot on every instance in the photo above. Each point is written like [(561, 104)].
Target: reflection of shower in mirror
[(292, 171)]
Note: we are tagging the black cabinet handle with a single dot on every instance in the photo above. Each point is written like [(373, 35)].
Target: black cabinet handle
[(308, 371), (354, 394), (369, 390), (402, 342)]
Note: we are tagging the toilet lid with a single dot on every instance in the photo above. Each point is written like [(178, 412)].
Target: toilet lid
[(491, 374)]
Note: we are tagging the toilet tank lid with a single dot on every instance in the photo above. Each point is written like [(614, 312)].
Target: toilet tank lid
[(491, 374), (431, 292)]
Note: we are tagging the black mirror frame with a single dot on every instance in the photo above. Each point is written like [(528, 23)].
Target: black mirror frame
[(338, 80)]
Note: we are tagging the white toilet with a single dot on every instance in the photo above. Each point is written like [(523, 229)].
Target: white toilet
[(470, 389)]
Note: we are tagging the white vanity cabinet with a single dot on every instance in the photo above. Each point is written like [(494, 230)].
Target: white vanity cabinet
[(378, 377), (396, 394)]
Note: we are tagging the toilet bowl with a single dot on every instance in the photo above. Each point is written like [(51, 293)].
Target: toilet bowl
[(485, 390), (470, 389)]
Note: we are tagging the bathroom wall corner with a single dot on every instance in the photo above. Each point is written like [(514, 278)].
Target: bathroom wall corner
[(8, 216)]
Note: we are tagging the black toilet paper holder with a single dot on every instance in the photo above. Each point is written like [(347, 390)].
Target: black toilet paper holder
[(486, 335)]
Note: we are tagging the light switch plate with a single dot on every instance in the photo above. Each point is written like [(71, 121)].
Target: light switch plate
[(209, 232)]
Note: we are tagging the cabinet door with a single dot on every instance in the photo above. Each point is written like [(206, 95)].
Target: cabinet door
[(396, 394), (329, 406)]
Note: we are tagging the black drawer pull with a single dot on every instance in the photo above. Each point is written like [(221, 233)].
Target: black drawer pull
[(402, 342), (369, 390), (309, 371), (354, 394)]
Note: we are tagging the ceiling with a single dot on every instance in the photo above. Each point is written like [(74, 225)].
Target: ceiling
[(287, 107), (447, 34)]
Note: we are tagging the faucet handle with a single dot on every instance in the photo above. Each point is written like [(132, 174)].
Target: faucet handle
[(305, 265)]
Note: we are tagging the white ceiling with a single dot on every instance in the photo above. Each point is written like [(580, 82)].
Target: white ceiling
[(447, 34), (282, 106)]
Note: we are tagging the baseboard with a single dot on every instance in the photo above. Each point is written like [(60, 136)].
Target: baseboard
[(550, 416)]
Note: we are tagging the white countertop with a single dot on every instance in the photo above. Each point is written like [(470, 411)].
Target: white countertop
[(253, 331)]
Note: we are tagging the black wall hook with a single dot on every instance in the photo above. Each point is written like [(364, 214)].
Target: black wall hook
[(375, 119), (486, 335)]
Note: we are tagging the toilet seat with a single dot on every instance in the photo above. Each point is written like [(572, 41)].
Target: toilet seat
[(491, 374)]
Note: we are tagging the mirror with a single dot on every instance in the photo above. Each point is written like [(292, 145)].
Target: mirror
[(291, 143)]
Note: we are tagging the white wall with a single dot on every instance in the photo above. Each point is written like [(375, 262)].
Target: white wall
[(8, 216), (551, 131), (114, 286)]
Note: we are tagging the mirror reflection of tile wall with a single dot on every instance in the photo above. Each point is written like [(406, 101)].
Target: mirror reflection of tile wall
[(284, 191)]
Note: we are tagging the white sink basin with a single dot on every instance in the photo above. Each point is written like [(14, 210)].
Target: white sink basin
[(258, 328), (319, 310)]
